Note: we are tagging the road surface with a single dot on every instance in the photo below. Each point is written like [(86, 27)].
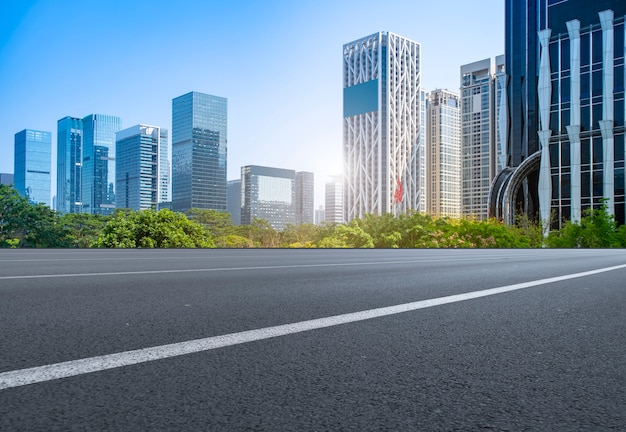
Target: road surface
[(312, 340)]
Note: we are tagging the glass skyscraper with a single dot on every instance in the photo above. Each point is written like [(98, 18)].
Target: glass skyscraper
[(305, 197), (383, 114), (565, 61), (69, 165), (268, 193), (139, 184), (199, 150), (98, 171), (32, 165), (234, 200), (6, 178)]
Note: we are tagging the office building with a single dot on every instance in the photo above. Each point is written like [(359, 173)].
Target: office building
[(320, 215), (233, 200), (305, 197), (268, 193), (139, 157), (566, 148), (444, 154), (383, 113), (98, 170), (165, 169), (32, 165), (6, 178), (199, 148), (333, 200), (484, 125), (69, 165)]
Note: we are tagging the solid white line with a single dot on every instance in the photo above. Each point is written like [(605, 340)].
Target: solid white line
[(274, 267), (95, 364), (123, 258)]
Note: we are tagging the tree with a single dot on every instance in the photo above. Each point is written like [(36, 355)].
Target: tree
[(261, 233), (218, 223), (23, 224), (81, 229), (233, 241), (300, 236), (596, 229), (150, 229), (348, 236), (13, 208)]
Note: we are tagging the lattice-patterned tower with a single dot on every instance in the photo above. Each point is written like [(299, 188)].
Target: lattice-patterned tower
[(384, 136)]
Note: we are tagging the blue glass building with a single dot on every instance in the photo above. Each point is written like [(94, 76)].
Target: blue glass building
[(234, 200), (199, 145), (69, 164), (268, 193), (138, 184), (32, 165), (6, 178), (98, 170)]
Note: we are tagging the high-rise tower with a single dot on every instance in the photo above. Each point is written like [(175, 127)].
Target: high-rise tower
[(333, 200), (383, 113), (98, 170), (484, 128), (443, 154), (32, 165), (139, 183), (565, 61), (305, 197), (69, 165), (199, 149)]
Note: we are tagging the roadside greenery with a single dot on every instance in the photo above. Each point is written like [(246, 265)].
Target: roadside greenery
[(27, 225), (596, 229)]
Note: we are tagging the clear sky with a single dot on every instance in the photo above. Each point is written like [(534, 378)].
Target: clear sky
[(277, 62)]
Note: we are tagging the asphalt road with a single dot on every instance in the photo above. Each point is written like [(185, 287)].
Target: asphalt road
[(443, 355)]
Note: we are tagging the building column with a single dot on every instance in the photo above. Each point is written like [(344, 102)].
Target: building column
[(544, 90), (606, 125), (608, 142), (503, 121), (573, 131)]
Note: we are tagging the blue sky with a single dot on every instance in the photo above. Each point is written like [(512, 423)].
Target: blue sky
[(278, 62)]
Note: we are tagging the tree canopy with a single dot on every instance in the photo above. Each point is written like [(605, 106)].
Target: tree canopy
[(150, 229), (23, 224)]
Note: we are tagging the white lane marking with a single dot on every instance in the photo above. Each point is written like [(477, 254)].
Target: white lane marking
[(125, 258), (95, 364), (275, 267)]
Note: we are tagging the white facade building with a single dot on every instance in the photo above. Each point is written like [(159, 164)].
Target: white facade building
[(384, 147), (484, 124), (333, 210), (444, 154)]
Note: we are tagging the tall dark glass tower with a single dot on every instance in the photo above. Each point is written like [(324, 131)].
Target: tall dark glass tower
[(199, 149), (565, 152)]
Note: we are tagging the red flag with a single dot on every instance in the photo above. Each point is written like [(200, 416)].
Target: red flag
[(397, 196)]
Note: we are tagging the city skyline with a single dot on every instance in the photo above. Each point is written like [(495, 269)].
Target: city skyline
[(278, 64)]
